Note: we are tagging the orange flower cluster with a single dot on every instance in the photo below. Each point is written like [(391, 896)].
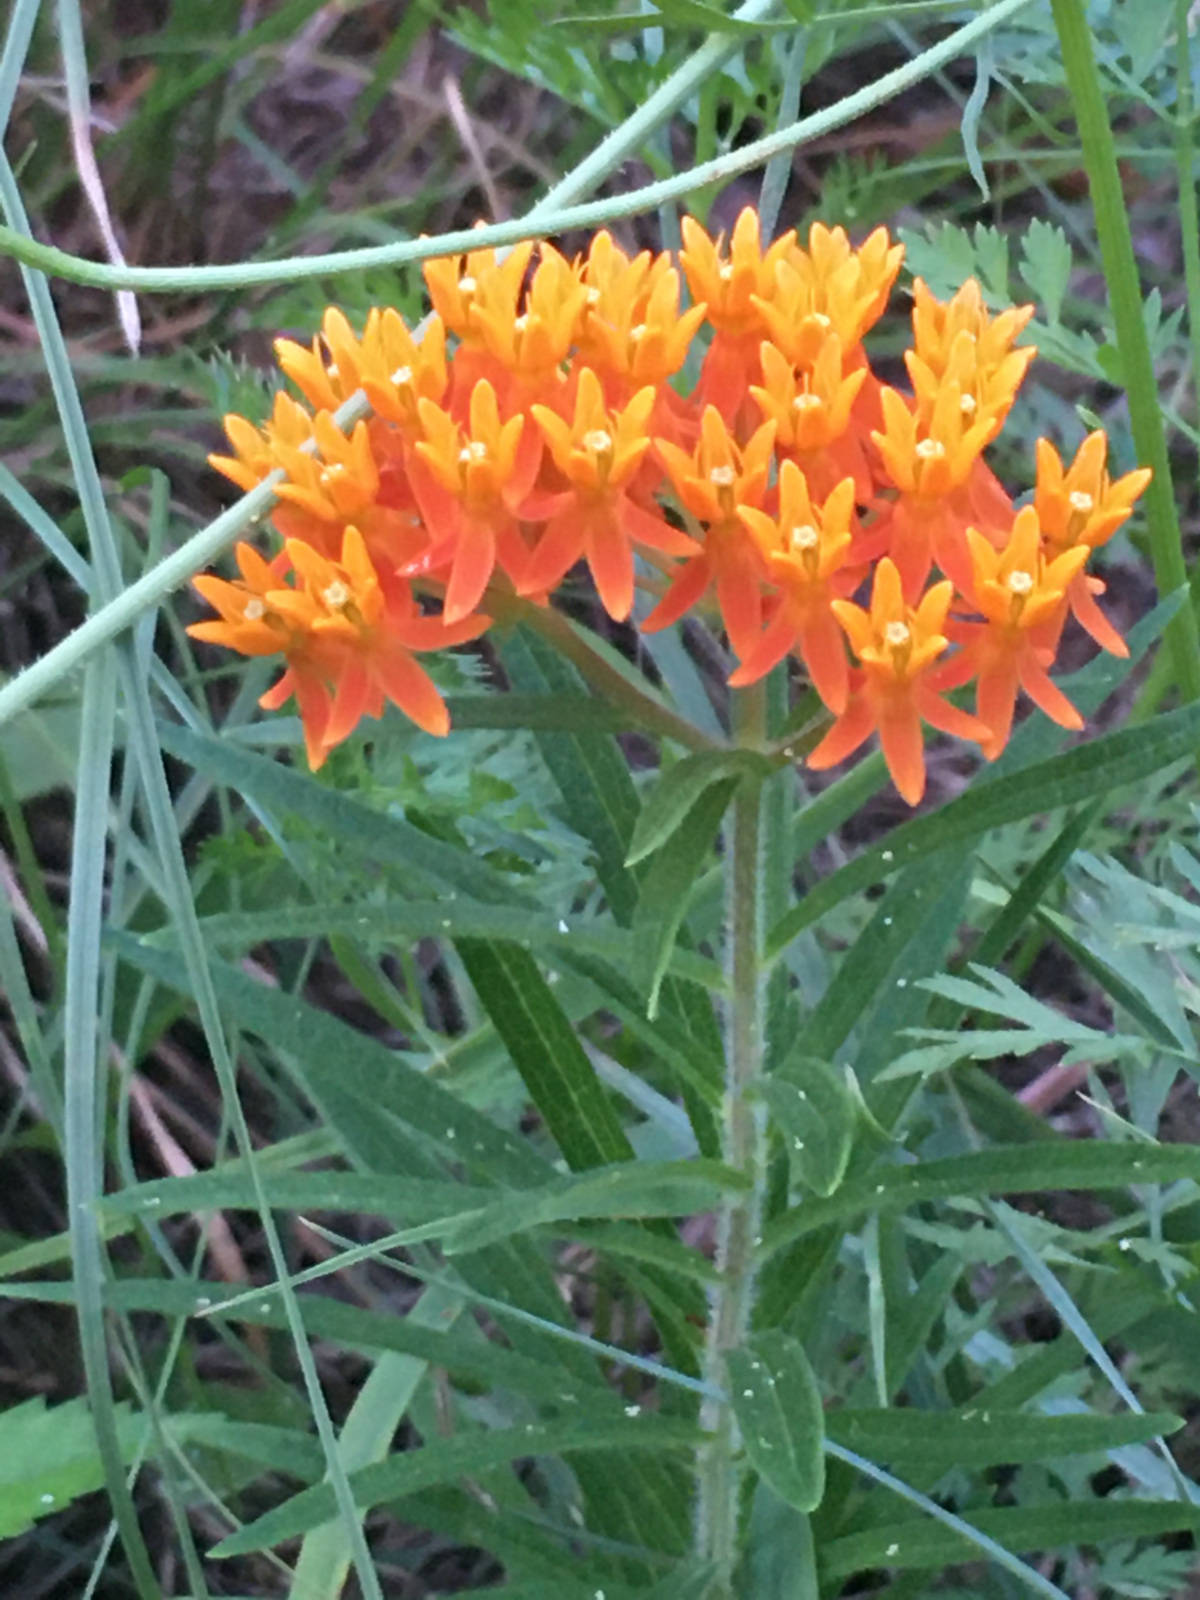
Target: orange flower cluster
[(541, 421)]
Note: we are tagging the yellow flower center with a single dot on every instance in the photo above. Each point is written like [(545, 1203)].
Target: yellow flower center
[(467, 285), (1080, 501), (402, 377), (639, 333), (473, 450), (968, 405), (930, 450), (520, 324), (1020, 582), (597, 442), (255, 611), (336, 595), (807, 402), (722, 477), (897, 635), (805, 537)]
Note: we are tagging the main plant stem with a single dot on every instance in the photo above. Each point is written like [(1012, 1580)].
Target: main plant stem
[(719, 1468)]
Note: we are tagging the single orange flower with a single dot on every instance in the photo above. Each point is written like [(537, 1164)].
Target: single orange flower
[(599, 453), (353, 633), (632, 332), (1082, 506), (732, 288), (811, 411), (938, 324), (249, 622), (892, 691), (255, 449), (531, 347), (1019, 593), (807, 549), (713, 484), (828, 288), (469, 494)]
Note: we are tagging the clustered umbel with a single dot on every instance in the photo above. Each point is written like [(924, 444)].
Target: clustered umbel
[(541, 421)]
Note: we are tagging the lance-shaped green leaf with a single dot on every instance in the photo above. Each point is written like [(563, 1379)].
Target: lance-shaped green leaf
[(978, 1436), (921, 1542), (663, 900), (1076, 775), (448, 1460), (681, 786), (815, 1111), (1003, 1169), (778, 1407), (561, 1081)]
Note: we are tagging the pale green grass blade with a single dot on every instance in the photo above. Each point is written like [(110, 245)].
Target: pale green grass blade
[(325, 1556), (983, 1542), (84, 1074), (177, 892)]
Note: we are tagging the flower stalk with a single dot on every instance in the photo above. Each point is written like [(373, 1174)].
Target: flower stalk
[(720, 1468)]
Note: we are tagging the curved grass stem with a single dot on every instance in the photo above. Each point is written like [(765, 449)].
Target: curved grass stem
[(545, 219)]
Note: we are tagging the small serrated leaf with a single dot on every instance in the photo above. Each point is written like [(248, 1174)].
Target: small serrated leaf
[(778, 1407), (1046, 262)]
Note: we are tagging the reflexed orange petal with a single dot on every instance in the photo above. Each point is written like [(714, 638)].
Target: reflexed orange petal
[(903, 746), (853, 728)]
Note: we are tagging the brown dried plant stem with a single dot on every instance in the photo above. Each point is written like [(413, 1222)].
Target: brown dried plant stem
[(719, 1467)]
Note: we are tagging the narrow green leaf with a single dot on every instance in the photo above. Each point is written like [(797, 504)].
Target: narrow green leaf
[(334, 1059), (1080, 774), (920, 1542), (447, 1460), (977, 1436), (561, 1081), (1004, 1169), (429, 864), (456, 1350), (678, 790), (637, 1189), (816, 1113), (778, 1407), (663, 902)]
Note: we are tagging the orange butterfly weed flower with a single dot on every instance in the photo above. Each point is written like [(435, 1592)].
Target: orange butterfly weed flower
[(255, 449), (347, 635), (395, 371), (1080, 505), (893, 689), (938, 327), (811, 412), (249, 622), (732, 288), (343, 483), (599, 452), (1019, 593), (531, 347), (807, 549), (930, 460), (463, 287), (327, 373), (713, 484), (632, 331), (829, 288), (469, 495), (364, 634)]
